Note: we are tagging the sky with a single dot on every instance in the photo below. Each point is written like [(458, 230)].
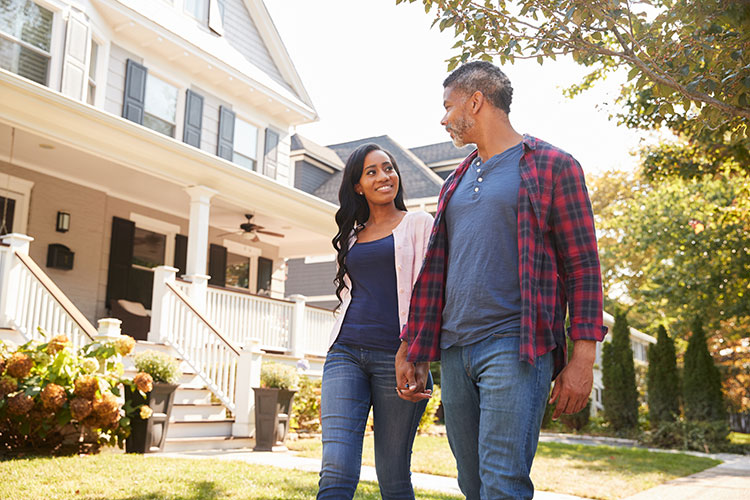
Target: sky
[(372, 67)]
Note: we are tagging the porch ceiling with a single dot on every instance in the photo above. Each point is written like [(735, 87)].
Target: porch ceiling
[(128, 161)]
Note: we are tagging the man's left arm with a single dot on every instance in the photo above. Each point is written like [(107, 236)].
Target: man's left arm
[(572, 225)]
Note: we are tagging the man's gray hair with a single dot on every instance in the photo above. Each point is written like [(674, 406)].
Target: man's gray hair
[(487, 79)]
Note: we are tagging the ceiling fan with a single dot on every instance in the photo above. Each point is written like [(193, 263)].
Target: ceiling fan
[(252, 230)]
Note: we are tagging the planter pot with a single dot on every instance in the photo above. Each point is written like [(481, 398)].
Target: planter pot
[(149, 436), (272, 410)]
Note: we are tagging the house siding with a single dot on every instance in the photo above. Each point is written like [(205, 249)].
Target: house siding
[(310, 279), (86, 207), (241, 33), (115, 89), (308, 177), (210, 128)]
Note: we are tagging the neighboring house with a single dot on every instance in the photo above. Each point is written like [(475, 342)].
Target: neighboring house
[(442, 157), (136, 135), (639, 342), (318, 170)]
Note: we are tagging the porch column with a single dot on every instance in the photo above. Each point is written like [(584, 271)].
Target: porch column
[(297, 331), (197, 251), (10, 275), (248, 377)]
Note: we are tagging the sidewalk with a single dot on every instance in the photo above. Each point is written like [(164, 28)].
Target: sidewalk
[(727, 481)]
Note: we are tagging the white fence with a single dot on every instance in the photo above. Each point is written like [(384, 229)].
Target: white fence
[(29, 298)]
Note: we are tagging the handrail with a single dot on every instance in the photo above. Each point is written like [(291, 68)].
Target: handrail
[(203, 319), (70, 309)]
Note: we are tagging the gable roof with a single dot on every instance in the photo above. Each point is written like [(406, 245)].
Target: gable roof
[(442, 152), (316, 151), (418, 180)]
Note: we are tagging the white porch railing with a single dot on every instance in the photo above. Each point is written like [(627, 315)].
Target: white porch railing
[(318, 324), (243, 316), (30, 299), (228, 371)]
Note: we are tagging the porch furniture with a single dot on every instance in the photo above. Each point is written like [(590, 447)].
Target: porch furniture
[(136, 319)]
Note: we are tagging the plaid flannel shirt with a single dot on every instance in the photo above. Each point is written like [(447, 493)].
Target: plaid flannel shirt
[(558, 262)]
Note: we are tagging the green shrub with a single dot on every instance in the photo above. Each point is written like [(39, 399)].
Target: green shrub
[(620, 395), (708, 437), (56, 400), (306, 408), (428, 417), (161, 366), (663, 380), (702, 385), (278, 375)]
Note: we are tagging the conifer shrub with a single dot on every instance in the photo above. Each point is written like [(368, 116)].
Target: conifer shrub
[(663, 380), (620, 395), (702, 380)]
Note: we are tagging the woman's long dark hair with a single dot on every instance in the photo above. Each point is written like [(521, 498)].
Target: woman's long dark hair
[(353, 209)]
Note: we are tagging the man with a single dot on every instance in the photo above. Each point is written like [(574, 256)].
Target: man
[(513, 248)]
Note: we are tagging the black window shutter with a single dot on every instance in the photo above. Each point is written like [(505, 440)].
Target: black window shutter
[(265, 270), (271, 150), (180, 253), (120, 258), (225, 147), (193, 119), (135, 91), (217, 265)]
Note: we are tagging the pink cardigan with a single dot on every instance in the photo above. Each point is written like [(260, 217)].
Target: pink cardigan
[(410, 239)]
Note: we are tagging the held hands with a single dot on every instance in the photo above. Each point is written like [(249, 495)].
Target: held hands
[(573, 385), (411, 378)]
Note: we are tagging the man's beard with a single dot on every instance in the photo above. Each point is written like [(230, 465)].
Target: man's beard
[(459, 128)]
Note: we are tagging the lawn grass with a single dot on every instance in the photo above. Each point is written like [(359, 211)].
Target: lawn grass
[(603, 472), (138, 477)]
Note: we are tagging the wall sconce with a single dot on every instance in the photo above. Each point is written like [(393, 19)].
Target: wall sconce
[(63, 222)]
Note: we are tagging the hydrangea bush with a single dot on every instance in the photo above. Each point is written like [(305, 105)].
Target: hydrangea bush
[(55, 399)]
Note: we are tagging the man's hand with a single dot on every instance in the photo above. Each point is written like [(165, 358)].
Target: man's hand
[(573, 385), (411, 378)]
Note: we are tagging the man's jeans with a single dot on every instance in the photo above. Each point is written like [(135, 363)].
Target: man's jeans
[(353, 379), (494, 404)]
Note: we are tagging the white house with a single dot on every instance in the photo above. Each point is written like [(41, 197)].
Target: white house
[(145, 174)]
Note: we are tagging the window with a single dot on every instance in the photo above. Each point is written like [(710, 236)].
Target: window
[(198, 9), (265, 270), (25, 36), (245, 144), (149, 248), (7, 212), (160, 108), (238, 271), (91, 87)]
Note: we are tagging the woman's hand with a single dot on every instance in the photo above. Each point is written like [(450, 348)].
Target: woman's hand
[(411, 378)]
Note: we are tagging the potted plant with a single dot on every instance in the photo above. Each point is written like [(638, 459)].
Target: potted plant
[(152, 394), (273, 405)]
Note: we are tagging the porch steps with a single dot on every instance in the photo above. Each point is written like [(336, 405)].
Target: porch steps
[(198, 420)]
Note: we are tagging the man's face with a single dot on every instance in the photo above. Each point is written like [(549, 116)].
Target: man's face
[(457, 120)]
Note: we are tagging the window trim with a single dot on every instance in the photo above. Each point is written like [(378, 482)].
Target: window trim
[(202, 21)]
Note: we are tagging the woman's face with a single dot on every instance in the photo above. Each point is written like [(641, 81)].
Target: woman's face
[(379, 181)]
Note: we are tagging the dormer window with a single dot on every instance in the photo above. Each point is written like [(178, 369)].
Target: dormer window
[(197, 9), (25, 39)]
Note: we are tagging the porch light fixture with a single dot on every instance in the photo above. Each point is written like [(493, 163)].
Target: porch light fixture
[(63, 222)]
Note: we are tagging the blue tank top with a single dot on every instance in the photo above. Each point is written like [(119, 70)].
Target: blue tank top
[(371, 319)]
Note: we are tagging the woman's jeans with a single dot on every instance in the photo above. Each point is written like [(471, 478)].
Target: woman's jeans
[(353, 380), (494, 404)]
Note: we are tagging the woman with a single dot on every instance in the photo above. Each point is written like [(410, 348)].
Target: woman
[(380, 250)]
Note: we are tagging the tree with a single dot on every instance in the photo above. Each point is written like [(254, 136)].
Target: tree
[(673, 246), (688, 63), (702, 382), (620, 396), (663, 380)]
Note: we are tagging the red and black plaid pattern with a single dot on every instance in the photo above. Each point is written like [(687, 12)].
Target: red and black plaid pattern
[(558, 260)]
